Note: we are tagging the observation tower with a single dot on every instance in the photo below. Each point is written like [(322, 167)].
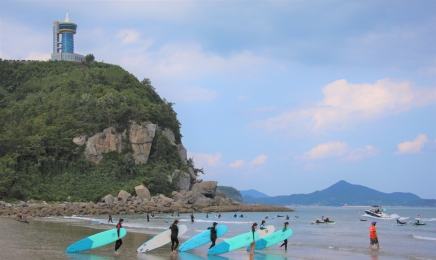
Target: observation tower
[(63, 41)]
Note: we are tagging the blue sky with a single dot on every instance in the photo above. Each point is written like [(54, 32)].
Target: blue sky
[(283, 97)]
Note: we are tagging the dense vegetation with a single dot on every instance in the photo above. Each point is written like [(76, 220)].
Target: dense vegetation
[(230, 192), (44, 105)]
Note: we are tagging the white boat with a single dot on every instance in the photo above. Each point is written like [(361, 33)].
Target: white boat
[(377, 211)]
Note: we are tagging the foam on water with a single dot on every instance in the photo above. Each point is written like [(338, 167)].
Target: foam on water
[(221, 222), (426, 219), (425, 238)]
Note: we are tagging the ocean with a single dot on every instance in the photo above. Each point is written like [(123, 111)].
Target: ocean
[(348, 238)]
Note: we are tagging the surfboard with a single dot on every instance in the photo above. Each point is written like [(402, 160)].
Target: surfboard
[(264, 232), (160, 240), (97, 240), (273, 239), (233, 243), (201, 239)]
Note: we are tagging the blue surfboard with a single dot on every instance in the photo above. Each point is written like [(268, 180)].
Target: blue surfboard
[(97, 240), (202, 239), (233, 243), (273, 239)]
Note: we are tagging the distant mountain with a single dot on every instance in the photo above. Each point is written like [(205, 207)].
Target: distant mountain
[(253, 193), (340, 194)]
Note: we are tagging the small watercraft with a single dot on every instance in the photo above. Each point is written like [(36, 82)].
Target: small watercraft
[(377, 211), (401, 223)]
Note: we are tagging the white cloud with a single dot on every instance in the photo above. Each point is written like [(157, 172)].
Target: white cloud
[(203, 160), (237, 163), (261, 159), (330, 149), (128, 35), (242, 98), (414, 146), (338, 150), (346, 104)]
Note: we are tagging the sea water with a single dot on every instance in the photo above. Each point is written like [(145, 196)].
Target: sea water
[(348, 238)]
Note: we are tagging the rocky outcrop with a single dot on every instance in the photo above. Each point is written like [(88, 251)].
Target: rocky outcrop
[(170, 135), (182, 180), (141, 137), (207, 188), (109, 199), (102, 143), (183, 153), (142, 192)]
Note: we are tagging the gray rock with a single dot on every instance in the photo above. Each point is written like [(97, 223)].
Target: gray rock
[(141, 138), (207, 188), (123, 196), (183, 180), (109, 199), (142, 192), (80, 140), (183, 153), (170, 135)]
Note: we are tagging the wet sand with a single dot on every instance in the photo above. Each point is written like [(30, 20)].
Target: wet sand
[(48, 240)]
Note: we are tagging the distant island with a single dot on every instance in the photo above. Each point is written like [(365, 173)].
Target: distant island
[(340, 194)]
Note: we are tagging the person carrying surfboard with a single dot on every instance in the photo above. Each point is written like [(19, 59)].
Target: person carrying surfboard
[(213, 234), (253, 244), (174, 234), (119, 242), (285, 242), (262, 225)]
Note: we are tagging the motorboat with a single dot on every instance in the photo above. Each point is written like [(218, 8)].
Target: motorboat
[(377, 211)]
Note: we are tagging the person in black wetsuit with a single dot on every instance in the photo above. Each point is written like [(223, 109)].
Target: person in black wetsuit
[(148, 218), (262, 225), (110, 218), (213, 234), (192, 218), (119, 241), (253, 244), (174, 234), (285, 242)]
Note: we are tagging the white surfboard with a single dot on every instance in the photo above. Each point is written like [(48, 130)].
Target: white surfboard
[(268, 230), (160, 240)]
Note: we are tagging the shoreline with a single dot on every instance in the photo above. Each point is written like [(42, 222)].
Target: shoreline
[(78, 208)]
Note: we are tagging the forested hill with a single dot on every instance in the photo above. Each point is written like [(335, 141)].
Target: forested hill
[(44, 105)]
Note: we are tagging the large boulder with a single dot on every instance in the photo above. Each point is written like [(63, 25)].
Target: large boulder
[(123, 196), (182, 180), (164, 201), (178, 197), (192, 175), (141, 137), (109, 199), (207, 188), (142, 192), (104, 142)]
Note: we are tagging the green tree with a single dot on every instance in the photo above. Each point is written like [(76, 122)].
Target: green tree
[(89, 58)]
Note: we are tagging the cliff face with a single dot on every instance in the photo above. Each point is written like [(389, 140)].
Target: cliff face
[(140, 140)]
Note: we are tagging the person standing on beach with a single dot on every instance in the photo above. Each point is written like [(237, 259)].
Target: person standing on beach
[(174, 234), (373, 237), (148, 218), (119, 242), (213, 234), (110, 219), (253, 244), (192, 218), (285, 242), (20, 216)]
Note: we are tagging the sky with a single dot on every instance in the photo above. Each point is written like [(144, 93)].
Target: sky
[(284, 97)]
